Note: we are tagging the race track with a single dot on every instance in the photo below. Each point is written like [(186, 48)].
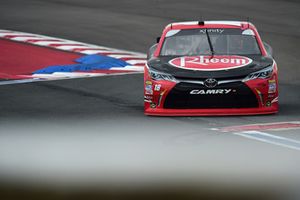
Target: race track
[(93, 130)]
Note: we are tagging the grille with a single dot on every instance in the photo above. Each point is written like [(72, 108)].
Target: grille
[(240, 96)]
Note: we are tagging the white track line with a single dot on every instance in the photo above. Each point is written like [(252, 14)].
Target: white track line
[(133, 62), (95, 51), (126, 56), (271, 139), (19, 81), (25, 38), (69, 47), (4, 33), (260, 126), (129, 68), (57, 77), (49, 43)]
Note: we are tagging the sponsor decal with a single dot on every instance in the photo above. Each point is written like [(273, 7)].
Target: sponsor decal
[(148, 97), (268, 103), (208, 63), (272, 86), (212, 91), (148, 83), (148, 88), (152, 105), (215, 30), (157, 87), (201, 31)]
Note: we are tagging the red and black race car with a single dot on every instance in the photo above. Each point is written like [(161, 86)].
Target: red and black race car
[(210, 68)]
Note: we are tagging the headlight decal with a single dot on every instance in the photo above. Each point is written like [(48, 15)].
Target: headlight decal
[(262, 74), (155, 75)]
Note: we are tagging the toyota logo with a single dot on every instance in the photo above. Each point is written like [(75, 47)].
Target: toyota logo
[(210, 82)]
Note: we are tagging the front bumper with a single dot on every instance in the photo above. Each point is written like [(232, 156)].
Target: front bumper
[(266, 103), (212, 112), (253, 97)]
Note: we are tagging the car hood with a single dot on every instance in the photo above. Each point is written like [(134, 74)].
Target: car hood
[(209, 66)]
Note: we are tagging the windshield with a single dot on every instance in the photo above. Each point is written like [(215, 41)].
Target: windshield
[(192, 42)]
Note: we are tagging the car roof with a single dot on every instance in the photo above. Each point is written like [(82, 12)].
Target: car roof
[(220, 23)]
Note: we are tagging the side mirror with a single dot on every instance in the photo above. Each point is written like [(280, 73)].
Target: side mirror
[(268, 49), (157, 39), (151, 51)]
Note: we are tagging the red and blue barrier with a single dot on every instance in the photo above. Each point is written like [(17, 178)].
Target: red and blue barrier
[(33, 57)]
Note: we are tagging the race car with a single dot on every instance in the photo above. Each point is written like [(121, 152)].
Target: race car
[(202, 68)]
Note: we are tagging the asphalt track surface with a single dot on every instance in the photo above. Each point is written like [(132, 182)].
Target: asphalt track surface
[(84, 131)]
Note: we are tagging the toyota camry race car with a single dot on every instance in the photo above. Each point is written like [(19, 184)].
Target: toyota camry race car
[(210, 68)]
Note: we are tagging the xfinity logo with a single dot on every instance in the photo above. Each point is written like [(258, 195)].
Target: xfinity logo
[(211, 31), (217, 91)]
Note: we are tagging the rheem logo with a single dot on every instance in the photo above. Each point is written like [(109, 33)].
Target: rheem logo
[(208, 63)]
